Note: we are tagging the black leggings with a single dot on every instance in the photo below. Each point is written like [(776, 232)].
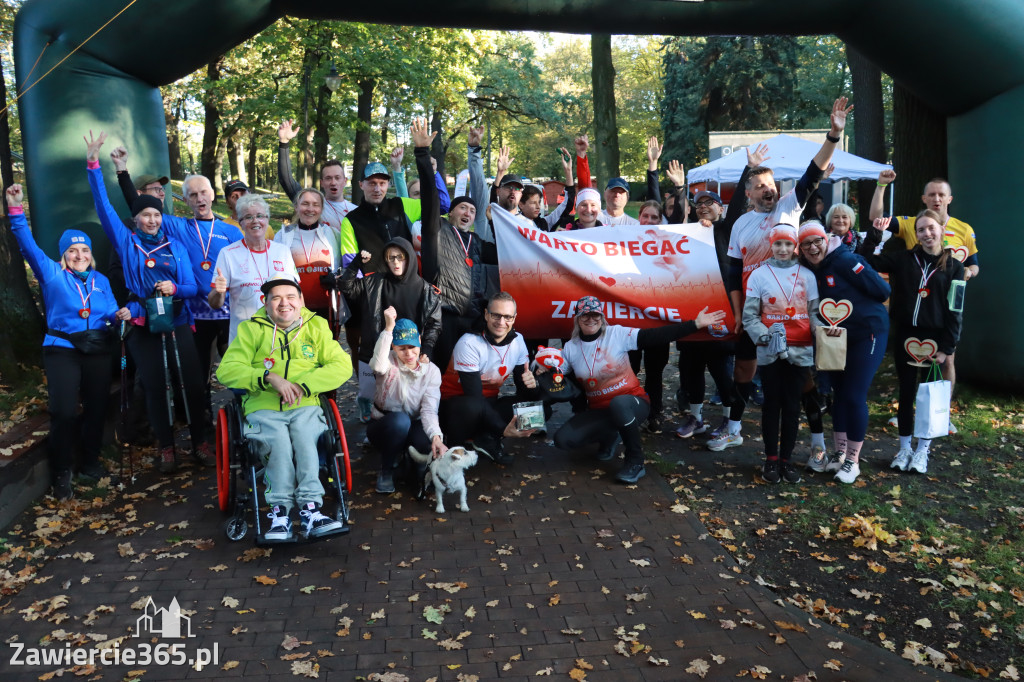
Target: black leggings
[(908, 376), (465, 418), (694, 356), (622, 417), (147, 350), (783, 386), (75, 379), (453, 326), (209, 333), (655, 360)]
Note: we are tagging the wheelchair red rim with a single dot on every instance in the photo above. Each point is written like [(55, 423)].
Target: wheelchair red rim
[(344, 444), (223, 460)]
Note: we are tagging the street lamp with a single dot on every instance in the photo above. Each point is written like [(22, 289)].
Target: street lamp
[(333, 79)]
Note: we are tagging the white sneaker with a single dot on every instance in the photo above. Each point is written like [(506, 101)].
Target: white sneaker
[(835, 461), (280, 525), (902, 459), (817, 460), (728, 440), (893, 421), (920, 462), (952, 429), (849, 472)]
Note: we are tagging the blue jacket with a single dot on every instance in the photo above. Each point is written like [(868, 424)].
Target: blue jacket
[(845, 275), (185, 232), (63, 291), (138, 278)]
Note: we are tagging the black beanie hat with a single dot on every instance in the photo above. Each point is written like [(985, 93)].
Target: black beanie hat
[(144, 201)]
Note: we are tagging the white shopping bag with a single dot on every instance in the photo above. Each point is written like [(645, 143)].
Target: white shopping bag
[(931, 411)]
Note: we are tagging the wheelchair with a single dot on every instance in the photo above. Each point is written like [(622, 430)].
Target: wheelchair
[(239, 469)]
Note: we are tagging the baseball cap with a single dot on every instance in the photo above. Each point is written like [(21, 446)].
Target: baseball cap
[(588, 304), (617, 182), (405, 333), (510, 179), (711, 195), (234, 186), (147, 179), (271, 283), (375, 168)]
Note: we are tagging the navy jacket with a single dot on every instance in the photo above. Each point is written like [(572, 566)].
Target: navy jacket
[(845, 275)]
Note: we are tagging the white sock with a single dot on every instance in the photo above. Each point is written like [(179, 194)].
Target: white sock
[(696, 409), (726, 411), (818, 440), (905, 442), (734, 427), (924, 444)]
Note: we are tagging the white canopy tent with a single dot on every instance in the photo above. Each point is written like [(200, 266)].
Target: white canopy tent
[(788, 158)]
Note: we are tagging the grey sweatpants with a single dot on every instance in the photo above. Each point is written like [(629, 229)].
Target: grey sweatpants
[(286, 441)]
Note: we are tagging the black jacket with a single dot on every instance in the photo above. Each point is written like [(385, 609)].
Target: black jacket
[(464, 288), (910, 310), (370, 293), (374, 226)]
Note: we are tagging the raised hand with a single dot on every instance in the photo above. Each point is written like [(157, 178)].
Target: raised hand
[(528, 379), (396, 158), (504, 161), (15, 195), (704, 318), (839, 113), (566, 165), (390, 316), (120, 157), (882, 224), (828, 171), (474, 136), (582, 145), (219, 283), (420, 133), (676, 173), (758, 157), (285, 131), (887, 177), (365, 256), (653, 153), (92, 146)]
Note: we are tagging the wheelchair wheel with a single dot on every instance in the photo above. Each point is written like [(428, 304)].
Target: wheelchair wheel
[(225, 477), (334, 424), (235, 528)]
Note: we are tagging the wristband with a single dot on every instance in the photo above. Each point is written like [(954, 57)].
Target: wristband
[(882, 184), (833, 140)]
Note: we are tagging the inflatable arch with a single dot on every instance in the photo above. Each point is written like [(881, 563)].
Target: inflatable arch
[(966, 60)]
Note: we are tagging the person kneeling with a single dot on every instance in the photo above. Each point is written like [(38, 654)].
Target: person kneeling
[(285, 357), (406, 398)]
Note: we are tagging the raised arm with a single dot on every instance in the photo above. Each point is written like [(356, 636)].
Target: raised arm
[(397, 174), (285, 133), (124, 180), (812, 176), (41, 264), (477, 184), (582, 144), (877, 209), (653, 154), (430, 213)]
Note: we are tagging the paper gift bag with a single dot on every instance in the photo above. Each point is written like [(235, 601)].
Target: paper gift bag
[(931, 410), (829, 351)]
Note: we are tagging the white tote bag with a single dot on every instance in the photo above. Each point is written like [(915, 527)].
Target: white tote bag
[(931, 411)]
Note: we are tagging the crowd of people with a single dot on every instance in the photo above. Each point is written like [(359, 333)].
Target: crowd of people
[(414, 280)]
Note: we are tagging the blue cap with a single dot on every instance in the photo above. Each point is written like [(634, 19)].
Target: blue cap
[(375, 168), (618, 182), (73, 237), (405, 333), (711, 195)]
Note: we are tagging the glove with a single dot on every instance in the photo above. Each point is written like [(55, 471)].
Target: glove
[(329, 281)]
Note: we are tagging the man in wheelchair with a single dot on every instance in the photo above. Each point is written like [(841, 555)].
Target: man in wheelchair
[(284, 357)]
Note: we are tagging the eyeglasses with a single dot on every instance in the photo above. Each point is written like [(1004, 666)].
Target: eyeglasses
[(817, 242), (395, 258), (250, 218), (507, 318), (591, 317), (705, 202)]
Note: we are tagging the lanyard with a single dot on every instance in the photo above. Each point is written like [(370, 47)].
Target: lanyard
[(922, 289), (337, 216), (150, 261), (302, 243), (209, 239), (796, 279), (465, 246), (591, 365), (266, 261), (268, 362), (502, 369), (85, 310)]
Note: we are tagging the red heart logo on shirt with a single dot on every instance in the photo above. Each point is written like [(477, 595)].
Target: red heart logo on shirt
[(791, 311), (608, 281), (744, 251), (502, 371), (771, 300)]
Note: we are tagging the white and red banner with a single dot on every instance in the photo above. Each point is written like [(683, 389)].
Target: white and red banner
[(645, 275)]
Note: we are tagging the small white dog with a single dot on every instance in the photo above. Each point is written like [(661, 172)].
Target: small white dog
[(446, 473)]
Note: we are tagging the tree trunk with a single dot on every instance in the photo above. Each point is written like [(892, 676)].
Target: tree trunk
[(384, 127), (235, 155), (322, 129), (915, 162), (361, 147), (437, 146), (254, 139), (171, 109), (606, 135), (21, 334), (869, 122), (208, 160)]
